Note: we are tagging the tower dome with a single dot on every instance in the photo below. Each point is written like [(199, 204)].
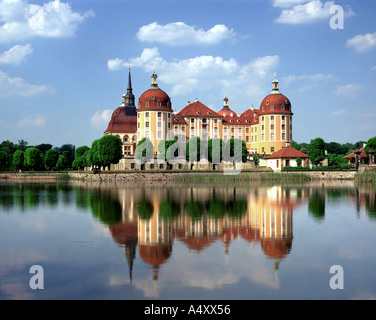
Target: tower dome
[(154, 99), (275, 102)]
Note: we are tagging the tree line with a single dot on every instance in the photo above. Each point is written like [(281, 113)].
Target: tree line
[(107, 150)]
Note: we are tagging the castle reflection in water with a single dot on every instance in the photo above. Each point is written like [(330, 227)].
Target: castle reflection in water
[(153, 217)]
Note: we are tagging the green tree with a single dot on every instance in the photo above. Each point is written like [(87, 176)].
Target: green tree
[(230, 150), (50, 159), (215, 150), (92, 156), (18, 160), (8, 147), (192, 150), (256, 160), (144, 152), (44, 147), (63, 163), (22, 145), (109, 148), (32, 159), (298, 161), (71, 150), (80, 161), (316, 151), (371, 143), (168, 150), (4, 161)]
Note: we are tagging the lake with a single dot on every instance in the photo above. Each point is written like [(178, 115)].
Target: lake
[(156, 241)]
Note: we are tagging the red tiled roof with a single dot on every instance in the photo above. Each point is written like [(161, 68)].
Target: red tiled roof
[(122, 123), (178, 119), (363, 155), (280, 102), (153, 96), (199, 110), (288, 152)]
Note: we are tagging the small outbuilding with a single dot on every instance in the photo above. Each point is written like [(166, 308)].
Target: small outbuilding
[(286, 157)]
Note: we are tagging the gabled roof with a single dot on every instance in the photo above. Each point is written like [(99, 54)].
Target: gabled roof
[(363, 155), (287, 152), (198, 110), (177, 119)]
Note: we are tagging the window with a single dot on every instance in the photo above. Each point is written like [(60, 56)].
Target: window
[(180, 166), (147, 103), (161, 166), (138, 115), (283, 118), (240, 130), (262, 127), (215, 121), (176, 128), (159, 134), (225, 138), (203, 120), (263, 137), (159, 124), (132, 165), (138, 125), (272, 108), (272, 136), (247, 130), (192, 120), (283, 127), (183, 128), (159, 114), (147, 124), (247, 139), (147, 115), (272, 118), (262, 119), (272, 149), (263, 150), (169, 115), (283, 136), (232, 130), (159, 104), (272, 127)]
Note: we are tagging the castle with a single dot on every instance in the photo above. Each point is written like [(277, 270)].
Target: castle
[(265, 130)]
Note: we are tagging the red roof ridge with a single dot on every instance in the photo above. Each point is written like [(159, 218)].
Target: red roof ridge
[(287, 152)]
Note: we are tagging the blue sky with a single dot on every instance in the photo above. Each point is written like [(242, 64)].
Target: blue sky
[(64, 65)]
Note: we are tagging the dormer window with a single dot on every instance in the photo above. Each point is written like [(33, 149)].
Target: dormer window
[(159, 104)]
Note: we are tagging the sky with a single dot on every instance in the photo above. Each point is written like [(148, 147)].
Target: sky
[(64, 65)]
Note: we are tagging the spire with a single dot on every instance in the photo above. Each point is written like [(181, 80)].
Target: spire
[(129, 81), (275, 82), (225, 102), (154, 83), (128, 98)]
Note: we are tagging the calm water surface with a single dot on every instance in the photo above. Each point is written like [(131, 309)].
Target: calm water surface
[(167, 241)]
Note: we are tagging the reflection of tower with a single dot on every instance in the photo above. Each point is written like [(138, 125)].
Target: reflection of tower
[(272, 216), (155, 238)]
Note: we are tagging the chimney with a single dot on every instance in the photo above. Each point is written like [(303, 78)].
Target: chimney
[(188, 102), (196, 99)]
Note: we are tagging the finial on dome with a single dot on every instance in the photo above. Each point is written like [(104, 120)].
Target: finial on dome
[(154, 83)]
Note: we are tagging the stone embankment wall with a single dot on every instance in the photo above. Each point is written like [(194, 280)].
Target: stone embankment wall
[(169, 176)]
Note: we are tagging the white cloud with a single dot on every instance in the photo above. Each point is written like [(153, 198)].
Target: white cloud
[(351, 90), (181, 34), (20, 20), (338, 113), (363, 42), (16, 54), (312, 11), (101, 118), (32, 122), (287, 3), (204, 73), (19, 87)]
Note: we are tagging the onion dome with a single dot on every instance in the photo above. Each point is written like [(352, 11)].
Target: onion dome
[(154, 99), (275, 102)]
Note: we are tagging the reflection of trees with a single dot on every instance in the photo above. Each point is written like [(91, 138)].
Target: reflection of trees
[(144, 209), (169, 210), (106, 208), (316, 205), (194, 209)]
